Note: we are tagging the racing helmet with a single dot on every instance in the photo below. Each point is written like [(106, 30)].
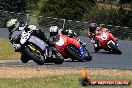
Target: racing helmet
[(92, 27), (70, 31), (53, 30), (12, 25)]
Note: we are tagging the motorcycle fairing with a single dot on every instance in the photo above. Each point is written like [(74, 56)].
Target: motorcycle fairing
[(74, 42), (60, 42), (109, 43), (103, 40), (103, 36), (38, 42), (25, 36)]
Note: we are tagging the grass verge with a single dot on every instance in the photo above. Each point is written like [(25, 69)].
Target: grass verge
[(7, 51), (63, 81), (40, 77)]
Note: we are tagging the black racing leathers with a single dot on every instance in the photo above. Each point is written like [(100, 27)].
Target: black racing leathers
[(41, 35)]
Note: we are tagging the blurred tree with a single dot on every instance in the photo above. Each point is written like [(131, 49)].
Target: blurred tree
[(68, 9), (32, 4), (124, 1), (13, 5), (17, 5)]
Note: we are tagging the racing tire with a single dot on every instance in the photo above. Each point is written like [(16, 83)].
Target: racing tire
[(73, 55), (96, 49), (24, 59), (59, 58), (115, 49), (89, 58), (31, 55)]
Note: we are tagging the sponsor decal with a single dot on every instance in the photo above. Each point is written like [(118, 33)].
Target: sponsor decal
[(85, 80)]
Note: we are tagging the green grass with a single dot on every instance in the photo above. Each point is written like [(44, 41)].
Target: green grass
[(67, 81), (7, 51)]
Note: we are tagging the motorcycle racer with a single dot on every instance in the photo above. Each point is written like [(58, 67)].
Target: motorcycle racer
[(54, 30), (94, 32), (68, 45), (14, 27)]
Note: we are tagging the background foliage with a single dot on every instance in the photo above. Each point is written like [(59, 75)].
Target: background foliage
[(121, 17), (82, 10), (13, 5), (68, 9)]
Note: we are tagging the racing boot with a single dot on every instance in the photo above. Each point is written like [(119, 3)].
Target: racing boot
[(96, 46)]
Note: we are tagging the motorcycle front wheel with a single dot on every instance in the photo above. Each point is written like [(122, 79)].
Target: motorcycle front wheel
[(115, 49), (59, 59), (24, 59), (73, 55), (89, 58), (39, 59)]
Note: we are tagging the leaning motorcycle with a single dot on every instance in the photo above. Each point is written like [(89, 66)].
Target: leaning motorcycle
[(33, 48), (71, 48), (108, 42)]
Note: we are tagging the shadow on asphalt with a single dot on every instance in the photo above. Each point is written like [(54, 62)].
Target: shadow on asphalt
[(105, 53)]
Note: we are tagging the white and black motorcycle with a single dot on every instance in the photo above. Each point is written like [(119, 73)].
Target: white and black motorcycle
[(33, 48)]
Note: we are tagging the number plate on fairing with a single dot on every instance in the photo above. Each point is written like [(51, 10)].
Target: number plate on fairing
[(60, 42), (103, 36)]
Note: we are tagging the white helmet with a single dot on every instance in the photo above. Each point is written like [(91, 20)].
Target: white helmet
[(70, 31), (53, 30), (32, 27)]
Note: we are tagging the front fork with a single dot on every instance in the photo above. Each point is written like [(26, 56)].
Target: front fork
[(114, 39), (82, 50)]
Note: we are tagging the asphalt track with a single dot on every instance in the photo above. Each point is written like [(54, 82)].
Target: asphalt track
[(102, 59)]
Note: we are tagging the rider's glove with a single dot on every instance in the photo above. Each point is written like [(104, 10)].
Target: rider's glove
[(17, 46)]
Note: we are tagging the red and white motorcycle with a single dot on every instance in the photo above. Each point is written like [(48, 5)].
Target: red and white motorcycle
[(107, 41)]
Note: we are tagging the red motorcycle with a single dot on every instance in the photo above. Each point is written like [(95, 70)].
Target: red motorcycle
[(107, 41), (71, 48)]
